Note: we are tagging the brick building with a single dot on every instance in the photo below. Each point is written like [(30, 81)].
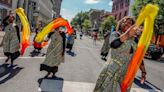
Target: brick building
[(95, 17), (120, 8)]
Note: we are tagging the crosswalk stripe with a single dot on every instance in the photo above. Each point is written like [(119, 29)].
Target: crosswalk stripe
[(25, 57), (70, 86)]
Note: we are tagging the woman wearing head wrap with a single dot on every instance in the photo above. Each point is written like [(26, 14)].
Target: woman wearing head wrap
[(55, 52), (121, 42), (11, 39), (105, 47)]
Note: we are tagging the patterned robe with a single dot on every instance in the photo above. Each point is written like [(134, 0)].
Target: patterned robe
[(105, 48), (114, 70), (54, 52), (10, 40)]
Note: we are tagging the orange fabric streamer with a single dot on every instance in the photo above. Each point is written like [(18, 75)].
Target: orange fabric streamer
[(25, 41), (38, 45), (51, 26)]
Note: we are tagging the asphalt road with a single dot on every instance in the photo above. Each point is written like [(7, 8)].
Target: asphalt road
[(78, 74)]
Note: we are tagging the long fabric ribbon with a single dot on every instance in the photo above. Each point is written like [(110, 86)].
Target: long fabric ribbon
[(147, 14), (51, 26), (25, 39)]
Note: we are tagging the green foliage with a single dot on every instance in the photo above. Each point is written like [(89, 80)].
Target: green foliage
[(86, 24), (107, 24), (159, 22), (80, 18)]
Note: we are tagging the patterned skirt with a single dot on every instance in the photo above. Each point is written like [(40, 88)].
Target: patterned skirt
[(13, 56), (110, 78), (48, 68)]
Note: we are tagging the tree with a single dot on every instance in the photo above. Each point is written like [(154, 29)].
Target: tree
[(80, 18), (86, 24), (159, 22), (107, 24)]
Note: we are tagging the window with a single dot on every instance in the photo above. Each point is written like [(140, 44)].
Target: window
[(113, 8), (125, 14), (127, 2), (121, 5), (116, 7), (120, 16)]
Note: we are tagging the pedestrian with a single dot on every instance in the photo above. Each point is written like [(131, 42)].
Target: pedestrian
[(81, 33), (55, 52), (37, 48), (70, 40), (0, 28), (121, 42), (105, 48), (11, 39), (95, 36)]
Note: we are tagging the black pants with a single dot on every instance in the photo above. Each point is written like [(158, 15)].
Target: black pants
[(48, 68), (13, 56), (69, 46)]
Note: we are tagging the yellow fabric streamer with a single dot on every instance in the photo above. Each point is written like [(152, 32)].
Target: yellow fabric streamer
[(51, 26), (25, 40)]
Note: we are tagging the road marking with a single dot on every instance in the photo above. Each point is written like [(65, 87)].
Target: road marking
[(86, 47), (69, 86), (149, 84), (73, 46), (25, 57)]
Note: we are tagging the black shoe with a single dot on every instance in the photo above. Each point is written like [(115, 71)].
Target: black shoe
[(105, 59), (47, 75)]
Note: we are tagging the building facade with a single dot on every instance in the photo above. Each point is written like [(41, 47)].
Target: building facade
[(56, 7), (95, 17), (5, 7), (40, 12), (105, 15), (120, 8)]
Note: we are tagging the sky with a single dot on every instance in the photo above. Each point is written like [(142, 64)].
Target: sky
[(70, 8)]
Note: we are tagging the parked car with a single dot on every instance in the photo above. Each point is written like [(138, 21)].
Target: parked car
[(155, 51)]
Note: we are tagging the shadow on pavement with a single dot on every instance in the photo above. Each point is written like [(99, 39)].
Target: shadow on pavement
[(145, 85), (36, 53), (8, 72), (54, 84), (162, 60)]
